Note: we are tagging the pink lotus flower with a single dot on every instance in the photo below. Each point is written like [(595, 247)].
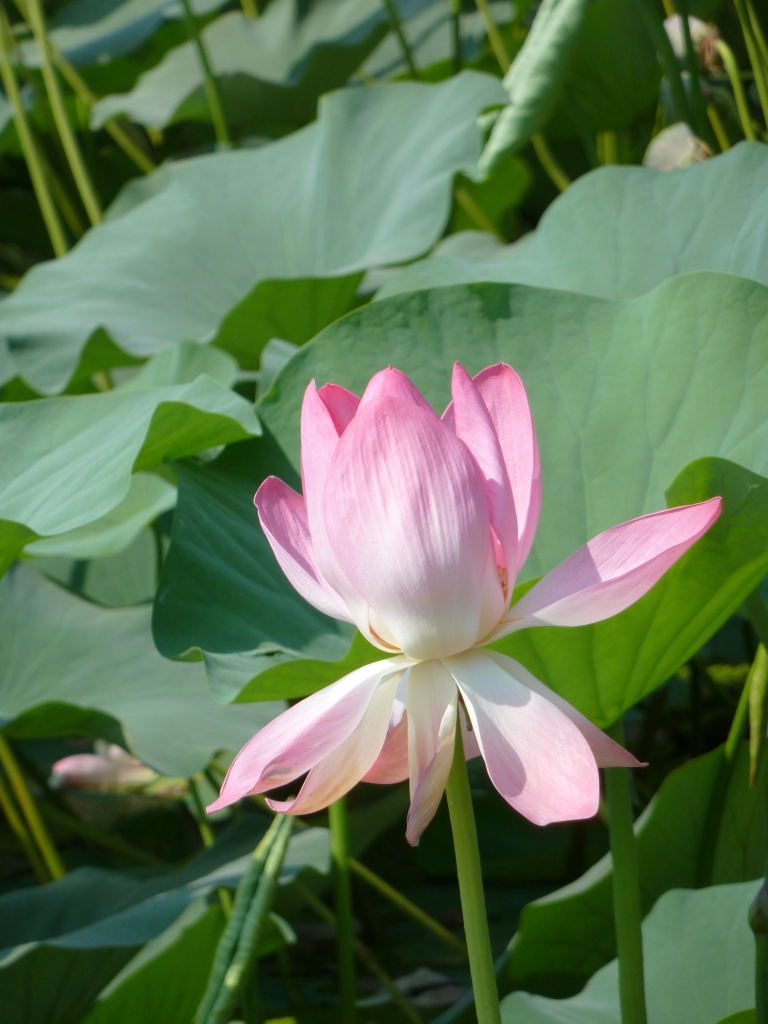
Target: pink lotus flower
[(414, 528)]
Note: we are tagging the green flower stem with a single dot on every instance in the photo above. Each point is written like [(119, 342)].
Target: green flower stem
[(230, 937), (740, 718), (403, 903), (758, 922), (626, 892), (494, 36), (364, 954), (18, 827), (755, 58), (211, 89), (26, 801), (552, 168), (760, 39), (250, 10), (397, 29), (252, 927), (478, 215), (28, 146), (337, 822), (471, 888), (206, 834), (734, 76), (666, 57), (63, 127)]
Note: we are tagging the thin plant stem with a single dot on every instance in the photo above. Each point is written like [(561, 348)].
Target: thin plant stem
[(345, 939), (734, 76), (476, 213), (607, 148), (29, 147), (397, 28), (63, 127), (61, 196), (758, 682), (471, 888), (364, 954), (19, 829), (26, 801), (113, 127), (696, 100), (89, 98), (494, 36), (755, 59), (211, 89), (760, 39), (206, 834), (666, 57), (740, 719), (758, 922), (718, 128), (553, 170), (250, 10), (403, 903), (230, 937), (626, 891), (252, 927)]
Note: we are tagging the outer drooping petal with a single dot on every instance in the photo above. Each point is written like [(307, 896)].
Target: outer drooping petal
[(407, 519), (536, 756), (392, 763), (431, 708), (302, 736), (504, 397), (343, 768), (608, 754), (473, 426), (613, 570), (283, 518)]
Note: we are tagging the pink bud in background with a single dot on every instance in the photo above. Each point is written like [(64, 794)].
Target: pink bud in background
[(414, 528), (110, 767)]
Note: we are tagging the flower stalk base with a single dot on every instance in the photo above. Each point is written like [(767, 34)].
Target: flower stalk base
[(471, 889)]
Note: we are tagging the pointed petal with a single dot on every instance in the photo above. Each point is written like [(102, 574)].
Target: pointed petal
[(431, 708), (505, 398), (392, 383), (341, 404), (608, 754), (345, 766), (613, 570), (283, 518), (408, 522), (536, 757), (475, 428), (297, 740)]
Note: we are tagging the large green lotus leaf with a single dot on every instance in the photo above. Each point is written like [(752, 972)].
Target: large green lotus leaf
[(271, 70), (62, 943), (601, 93), (535, 79), (699, 966), (618, 232), (221, 588), (148, 497), (705, 826), (70, 665), (164, 983), (369, 183), (608, 667), (82, 450)]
